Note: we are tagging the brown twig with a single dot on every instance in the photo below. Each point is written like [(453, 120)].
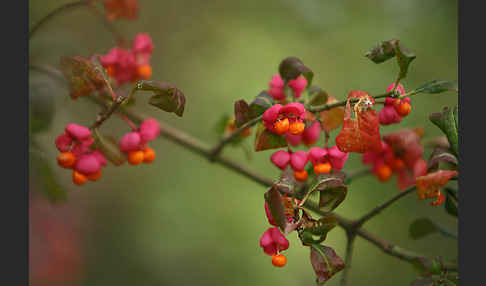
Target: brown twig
[(383, 206), (57, 11), (349, 257)]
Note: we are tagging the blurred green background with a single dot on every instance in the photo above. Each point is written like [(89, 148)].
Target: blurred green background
[(184, 221)]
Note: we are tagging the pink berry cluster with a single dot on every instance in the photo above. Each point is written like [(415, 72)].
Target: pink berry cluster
[(290, 120), (323, 161), (394, 108), (130, 65), (134, 143), (285, 119), (401, 155), (277, 87), (77, 154)]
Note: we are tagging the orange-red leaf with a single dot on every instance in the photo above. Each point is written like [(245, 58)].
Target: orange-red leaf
[(121, 9), (360, 134), (406, 145), (428, 186), (333, 118), (82, 75)]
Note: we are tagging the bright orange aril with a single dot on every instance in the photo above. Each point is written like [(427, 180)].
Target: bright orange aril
[(66, 159), (322, 168), (301, 176), (135, 157), (281, 126), (78, 178), (279, 260), (384, 172), (297, 128), (148, 155), (404, 109), (144, 71)]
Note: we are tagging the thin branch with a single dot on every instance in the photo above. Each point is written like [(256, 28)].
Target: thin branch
[(121, 41), (191, 143), (386, 246), (55, 12), (356, 174), (349, 257), (109, 111), (383, 206), (216, 150)]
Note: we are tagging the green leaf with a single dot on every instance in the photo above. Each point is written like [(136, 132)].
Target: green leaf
[(404, 58), (291, 67), (331, 190), (421, 227), (451, 202), (262, 102), (83, 75), (317, 96), (437, 86), (108, 145), (314, 231), (326, 262), (382, 52), (447, 121), (243, 113), (276, 207), (387, 50), (43, 176), (428, 266), (166, 96), (441, 155), (265, 139)]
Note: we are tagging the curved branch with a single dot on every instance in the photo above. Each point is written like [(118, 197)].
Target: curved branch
[(216, 150), (349, 257), (383, 206), (55, 12)]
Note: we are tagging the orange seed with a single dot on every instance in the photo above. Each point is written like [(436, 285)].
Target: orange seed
[(148, 155), (384, 172), (279, 260), (301, 176), (297, 128), (323, 168), (78, 178), (135, 157), (281, 126), (66, 159)]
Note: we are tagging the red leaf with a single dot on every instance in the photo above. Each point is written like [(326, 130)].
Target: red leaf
[(406, 145), (325, 262), (331, 119), (360, 134), (83, 75), (428, 186)]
